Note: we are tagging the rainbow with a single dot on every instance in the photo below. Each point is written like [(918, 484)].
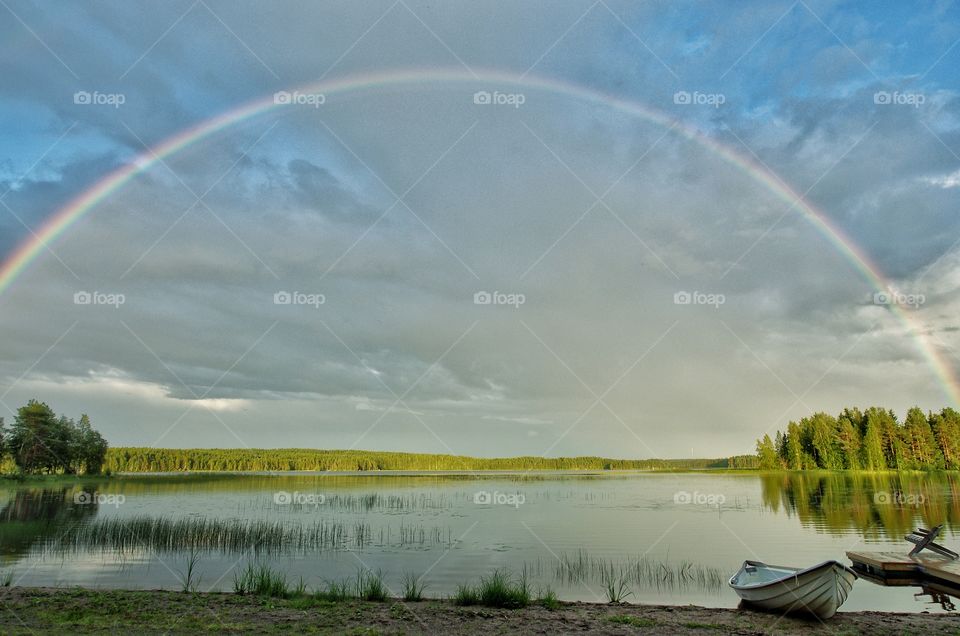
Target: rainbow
[(55, 226)]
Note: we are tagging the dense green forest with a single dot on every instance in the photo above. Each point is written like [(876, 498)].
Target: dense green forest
[(40, 442), (234, 459), (873, 439)]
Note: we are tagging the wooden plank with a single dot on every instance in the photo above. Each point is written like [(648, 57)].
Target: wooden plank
[(893, 565), (886, 561)]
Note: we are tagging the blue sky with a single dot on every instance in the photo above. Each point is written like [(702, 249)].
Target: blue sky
[(598, 357)]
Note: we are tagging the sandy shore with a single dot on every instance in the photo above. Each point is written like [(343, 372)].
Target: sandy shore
[(80, 611)]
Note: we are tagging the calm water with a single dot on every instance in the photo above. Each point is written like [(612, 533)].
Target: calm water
[(674, 537)]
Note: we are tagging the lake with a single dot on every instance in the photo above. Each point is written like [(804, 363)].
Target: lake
[(674, 538)]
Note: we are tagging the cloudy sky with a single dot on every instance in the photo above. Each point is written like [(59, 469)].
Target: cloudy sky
[(572, 268)]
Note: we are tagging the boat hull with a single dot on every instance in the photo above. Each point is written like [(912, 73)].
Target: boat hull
[(819, 590)]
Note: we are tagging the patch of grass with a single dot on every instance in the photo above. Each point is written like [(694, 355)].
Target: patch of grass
[(694, 625), (7, 580), (370, 586), (261, 580), (634, 621), (336, 592), (548, 598), (412, 587), (466, 595), (498, 590)]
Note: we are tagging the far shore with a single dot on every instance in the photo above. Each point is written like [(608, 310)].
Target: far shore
[(85, 611)]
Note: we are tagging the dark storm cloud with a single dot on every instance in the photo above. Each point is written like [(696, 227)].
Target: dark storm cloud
[(306, 201)]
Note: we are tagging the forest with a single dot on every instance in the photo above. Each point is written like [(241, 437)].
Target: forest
[(871, 439), (282, 459)]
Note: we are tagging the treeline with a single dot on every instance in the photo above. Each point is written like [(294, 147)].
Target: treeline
[(40, 442), (138, 460), (873, 439)]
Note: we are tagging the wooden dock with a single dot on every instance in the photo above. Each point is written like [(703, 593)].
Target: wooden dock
[(894, 568)]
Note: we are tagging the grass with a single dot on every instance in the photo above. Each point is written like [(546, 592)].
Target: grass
[(548, 598), (692, 625), (7, 580), (190, 578), (370, 586), (497, 590), (633, 621), (616, 589), (335, 592), (261, 580), (412, 587), (466, 595)]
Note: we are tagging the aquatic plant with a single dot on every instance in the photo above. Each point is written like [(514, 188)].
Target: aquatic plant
[(641, 571), (261, 580), (125, 534), (370, 586), (496, 590), (412, 587)]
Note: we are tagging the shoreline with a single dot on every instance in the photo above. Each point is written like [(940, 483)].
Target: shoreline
[(29, 610)]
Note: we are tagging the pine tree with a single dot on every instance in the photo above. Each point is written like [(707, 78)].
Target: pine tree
[(921, 447), (33, 438), (848, 437)]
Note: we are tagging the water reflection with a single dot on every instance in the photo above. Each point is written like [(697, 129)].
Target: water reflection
[(33, 516), (875, 505)]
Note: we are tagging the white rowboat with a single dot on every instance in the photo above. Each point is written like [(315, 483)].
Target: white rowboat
[(817, 590)]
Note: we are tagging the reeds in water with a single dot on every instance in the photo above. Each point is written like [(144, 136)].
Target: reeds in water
[(125, 534), (640, 571)]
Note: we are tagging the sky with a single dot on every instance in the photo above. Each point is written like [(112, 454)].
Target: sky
[(489, 229)]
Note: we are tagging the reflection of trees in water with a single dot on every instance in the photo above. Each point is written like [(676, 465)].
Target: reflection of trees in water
[(35, 515), (876, 505)]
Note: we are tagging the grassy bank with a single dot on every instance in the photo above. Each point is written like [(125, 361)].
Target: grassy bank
[(138, 460), (79, 611)]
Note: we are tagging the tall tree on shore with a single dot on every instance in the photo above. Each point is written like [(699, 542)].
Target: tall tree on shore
[(767, 454), (921, 447), (848, 439), (794, 446), (91, 447), (32, 438), (41, 442), (826, 451), (946, 430), (872, 449)]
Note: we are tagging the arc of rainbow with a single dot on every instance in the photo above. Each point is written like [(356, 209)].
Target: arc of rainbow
[(54, 227)]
